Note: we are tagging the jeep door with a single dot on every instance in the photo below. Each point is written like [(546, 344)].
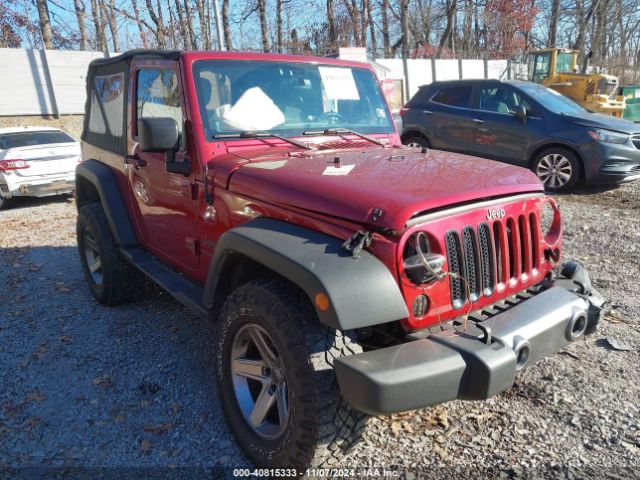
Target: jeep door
[(162, 202), (496, 131), (448, 117)]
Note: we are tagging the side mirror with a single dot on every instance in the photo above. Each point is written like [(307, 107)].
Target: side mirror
[(521, 113), (158, 134)]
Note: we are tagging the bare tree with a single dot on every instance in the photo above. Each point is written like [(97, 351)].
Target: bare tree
[(204, 31), (80, 10), (226, 27), (331, 19), (279, 38), (447, 39), (156, 18), (98, 24), (192, 35), (45, 24), (553, 24), (184, 31), (110, 15), (386, 40), (264, 25)]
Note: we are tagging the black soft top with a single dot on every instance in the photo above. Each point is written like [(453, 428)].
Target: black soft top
[(137, 53)]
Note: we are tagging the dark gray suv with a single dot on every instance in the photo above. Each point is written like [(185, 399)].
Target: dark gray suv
[(524, 124)]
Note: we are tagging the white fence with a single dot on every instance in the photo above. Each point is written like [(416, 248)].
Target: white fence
[(43, 82), (425, 71), (52, 82)]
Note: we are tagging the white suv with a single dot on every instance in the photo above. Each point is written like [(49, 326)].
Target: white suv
[(37, 161)]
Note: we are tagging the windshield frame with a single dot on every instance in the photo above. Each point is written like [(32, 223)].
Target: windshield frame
[(210, 134)]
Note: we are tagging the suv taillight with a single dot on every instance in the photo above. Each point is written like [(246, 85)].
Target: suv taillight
[(403, 110), (13, 165)]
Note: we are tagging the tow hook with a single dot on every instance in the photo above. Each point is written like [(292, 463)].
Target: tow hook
[(582, 287)]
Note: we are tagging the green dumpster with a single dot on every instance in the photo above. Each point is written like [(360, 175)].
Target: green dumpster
[(632, 98)]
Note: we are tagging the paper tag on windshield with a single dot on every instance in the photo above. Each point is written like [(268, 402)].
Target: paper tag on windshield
[(333, 170), (339, 83)]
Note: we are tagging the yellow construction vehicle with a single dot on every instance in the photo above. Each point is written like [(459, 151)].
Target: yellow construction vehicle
[(557, 68)]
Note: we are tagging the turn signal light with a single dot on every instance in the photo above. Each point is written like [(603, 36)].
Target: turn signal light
[(322, 302)]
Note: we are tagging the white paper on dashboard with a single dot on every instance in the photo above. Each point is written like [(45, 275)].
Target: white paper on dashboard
[(339, 83), (254, 110), (333, 170)]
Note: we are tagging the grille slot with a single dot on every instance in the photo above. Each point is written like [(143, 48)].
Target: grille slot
[(511, 246), (533, 230), (525, 253), (472, 273), (454, 254), (486, 259), (497, 236)]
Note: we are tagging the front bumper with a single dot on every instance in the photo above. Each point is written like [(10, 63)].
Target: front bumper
[(38, 187), (609, 163), (471, 364)]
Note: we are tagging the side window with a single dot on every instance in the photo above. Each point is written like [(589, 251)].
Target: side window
[(158, 95), (453, 96), (107, 104), (501, 100)]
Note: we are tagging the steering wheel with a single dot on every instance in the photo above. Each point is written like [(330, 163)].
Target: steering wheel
[(332, 117)]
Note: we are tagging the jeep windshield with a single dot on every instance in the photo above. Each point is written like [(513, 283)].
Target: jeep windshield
[(287, 98)]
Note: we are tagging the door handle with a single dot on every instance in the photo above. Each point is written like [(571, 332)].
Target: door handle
[(427, 112), (135, 161), (478, 121)]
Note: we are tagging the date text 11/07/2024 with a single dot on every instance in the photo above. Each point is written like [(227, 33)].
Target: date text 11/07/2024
[(369, 472)]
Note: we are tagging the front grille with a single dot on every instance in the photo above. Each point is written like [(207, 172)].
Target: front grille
[(636, 141), (488, 255)]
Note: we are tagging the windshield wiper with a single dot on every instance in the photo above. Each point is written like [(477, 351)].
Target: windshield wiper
[(259, 134), (342, 131)]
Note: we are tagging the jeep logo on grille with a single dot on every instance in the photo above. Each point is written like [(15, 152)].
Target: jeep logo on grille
[(494, 214)]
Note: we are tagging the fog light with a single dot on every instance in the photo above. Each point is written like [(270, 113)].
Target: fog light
[(420, 306)]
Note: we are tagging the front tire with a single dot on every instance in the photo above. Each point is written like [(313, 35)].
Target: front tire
[(417, 142), (111, 280), (557, 168), (276, 381)]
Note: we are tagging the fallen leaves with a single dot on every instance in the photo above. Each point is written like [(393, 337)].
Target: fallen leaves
[(36, 396), (40, 352), (159, 429), (103, 381)]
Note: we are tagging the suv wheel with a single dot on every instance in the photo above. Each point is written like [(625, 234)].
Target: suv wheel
[(417, 142), (558, 169), (276, 381), (111, 279)]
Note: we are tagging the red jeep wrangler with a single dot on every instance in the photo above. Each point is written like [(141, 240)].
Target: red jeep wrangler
[(347, 275)]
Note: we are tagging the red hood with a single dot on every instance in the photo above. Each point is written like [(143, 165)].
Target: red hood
[(401, 182)]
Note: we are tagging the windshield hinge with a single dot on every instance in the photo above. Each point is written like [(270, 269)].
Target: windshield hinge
[(356, 242)]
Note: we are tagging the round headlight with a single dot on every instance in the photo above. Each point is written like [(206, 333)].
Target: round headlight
[(420, 264)]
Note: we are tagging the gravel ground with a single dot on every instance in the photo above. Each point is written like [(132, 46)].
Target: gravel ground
[(132, 387)]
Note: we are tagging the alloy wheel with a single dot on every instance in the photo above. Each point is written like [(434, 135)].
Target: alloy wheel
[(554, 170), (92, 257), (260, 381)]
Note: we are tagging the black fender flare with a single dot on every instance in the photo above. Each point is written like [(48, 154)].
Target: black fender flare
[(106, 185), (362, 291)]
